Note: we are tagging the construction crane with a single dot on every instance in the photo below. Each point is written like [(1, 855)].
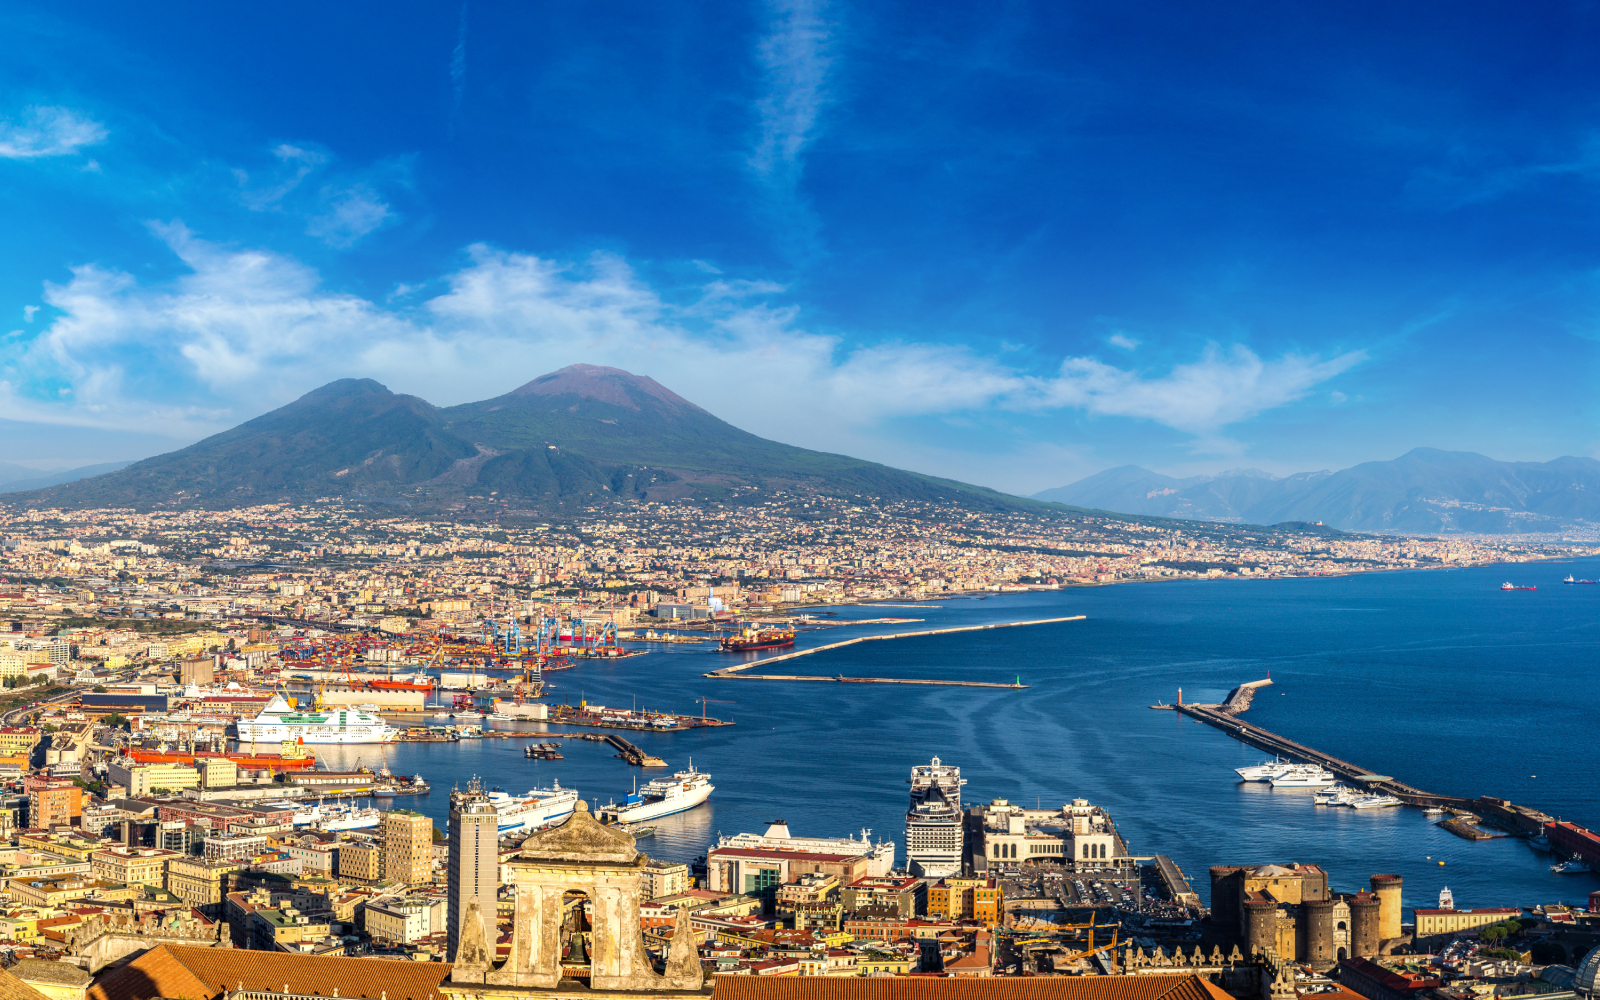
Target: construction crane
[(713, 701)]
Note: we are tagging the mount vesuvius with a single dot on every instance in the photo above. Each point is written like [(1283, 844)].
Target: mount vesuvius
[(577, 435)]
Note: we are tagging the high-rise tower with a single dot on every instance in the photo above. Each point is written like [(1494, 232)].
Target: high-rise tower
[(934, 821), (474, 861)]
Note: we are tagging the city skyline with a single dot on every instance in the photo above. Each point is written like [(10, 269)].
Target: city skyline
[(1013, 248)]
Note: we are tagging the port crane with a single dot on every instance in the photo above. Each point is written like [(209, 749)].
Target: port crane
[(713, 701)]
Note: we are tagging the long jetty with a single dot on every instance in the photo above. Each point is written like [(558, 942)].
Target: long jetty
[(735, 672), (1225, 718)]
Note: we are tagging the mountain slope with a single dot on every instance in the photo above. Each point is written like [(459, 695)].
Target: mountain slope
[(1424, 490), (581, 433), (38, 481)]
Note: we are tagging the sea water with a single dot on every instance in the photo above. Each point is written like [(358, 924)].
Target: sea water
[(1435, 677)]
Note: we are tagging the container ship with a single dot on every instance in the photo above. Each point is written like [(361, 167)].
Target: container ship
[(662, 797), (752, 639)]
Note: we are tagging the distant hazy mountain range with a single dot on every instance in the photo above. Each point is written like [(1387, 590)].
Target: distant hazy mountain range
[(15, 478), (578, 435), (1424, 490)]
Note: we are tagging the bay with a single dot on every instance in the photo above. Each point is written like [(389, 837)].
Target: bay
[(1436, 677)]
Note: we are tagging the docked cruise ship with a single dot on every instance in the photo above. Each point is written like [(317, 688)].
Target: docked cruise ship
[(880, 855), (278, 722), (662, 797), (933, 823), (538, 809)]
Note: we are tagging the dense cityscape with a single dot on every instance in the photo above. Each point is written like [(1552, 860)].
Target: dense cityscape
[(171, 676)]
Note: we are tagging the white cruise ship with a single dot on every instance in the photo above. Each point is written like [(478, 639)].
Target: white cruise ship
[(663, 797), (933, 823), (278, 722), (533, 811), (881, 854)]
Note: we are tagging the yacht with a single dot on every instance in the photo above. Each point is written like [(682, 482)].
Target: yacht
[(1264, 771), (1334, 795), (1304, 776), (1373, 801), (278, 723), (1571, 866), (469, 715)]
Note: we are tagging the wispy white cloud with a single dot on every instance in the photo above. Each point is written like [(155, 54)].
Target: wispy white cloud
[(1200, 397), (795, 56), (1123, 341), (339, 213), (247, 330), (351, 213), (44, 130)]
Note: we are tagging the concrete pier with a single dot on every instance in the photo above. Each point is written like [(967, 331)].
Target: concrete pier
[(735, 672), (1221, 717)]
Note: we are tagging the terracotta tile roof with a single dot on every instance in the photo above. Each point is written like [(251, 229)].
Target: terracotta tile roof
[(1156, 987), (202, 973), (12, 988)]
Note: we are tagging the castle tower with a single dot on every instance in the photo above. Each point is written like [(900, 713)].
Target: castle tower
[(1317, 938), (1364, 925), (1261, 926), (1387, 889)]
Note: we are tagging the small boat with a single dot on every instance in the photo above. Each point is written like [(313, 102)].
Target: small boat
[(1571, 866), (500, 717), (1508, 585), (643, 831), (469, 715), (1434, 811), (1373, 802), (1539, 842)]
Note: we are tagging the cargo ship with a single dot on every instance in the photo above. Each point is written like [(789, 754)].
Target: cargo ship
[(246, 761), (1508, 586), (752, 639), (401, 684), (1569, 579)]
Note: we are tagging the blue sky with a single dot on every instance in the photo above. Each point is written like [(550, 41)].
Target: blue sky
[(1010, 243)]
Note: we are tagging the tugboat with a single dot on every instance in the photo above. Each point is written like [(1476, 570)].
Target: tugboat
[(752, 639)]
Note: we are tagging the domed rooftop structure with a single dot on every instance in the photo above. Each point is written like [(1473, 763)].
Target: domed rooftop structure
[(1588, 981)]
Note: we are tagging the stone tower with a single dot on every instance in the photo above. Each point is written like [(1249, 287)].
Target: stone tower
[(1364, 929), (474, 862), (577, 917), (1387, 889)]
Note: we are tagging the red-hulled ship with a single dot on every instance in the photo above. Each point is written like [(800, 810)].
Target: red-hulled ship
[(246, 761), (752, 639), (1507, 586), (394, 685)]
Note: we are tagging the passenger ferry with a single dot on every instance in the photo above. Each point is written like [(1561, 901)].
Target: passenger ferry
[(663, 797), (1304, 776), (540, 808), (278, 722)]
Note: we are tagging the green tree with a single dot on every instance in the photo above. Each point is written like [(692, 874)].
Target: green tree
[(116, 721), (99, 689)]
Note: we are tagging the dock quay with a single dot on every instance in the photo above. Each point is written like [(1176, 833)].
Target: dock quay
[(736, 671), (1224, 717), (652, 722), (633, 754)]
